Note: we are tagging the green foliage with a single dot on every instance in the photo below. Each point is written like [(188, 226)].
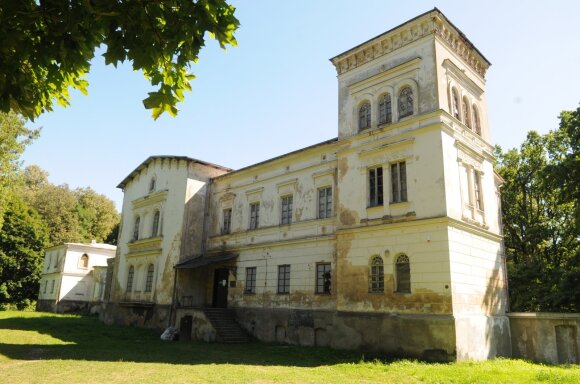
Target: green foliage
[(22, 240), (540, 225), (46, 47)]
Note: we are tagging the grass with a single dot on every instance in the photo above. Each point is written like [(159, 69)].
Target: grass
[(42, 348)]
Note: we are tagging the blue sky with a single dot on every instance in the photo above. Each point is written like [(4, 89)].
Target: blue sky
[(277, 91)]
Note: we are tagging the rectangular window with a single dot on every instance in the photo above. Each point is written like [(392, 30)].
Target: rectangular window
[(323, 278), (324, 202), (399, 182), (45, 285), (284, 278), (477, 190), (286, 216), (227, 221), (375, 186), (52, 287), (250, 280), (254, 215)]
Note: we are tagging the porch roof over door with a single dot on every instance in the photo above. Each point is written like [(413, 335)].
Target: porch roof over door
[(202, 261)]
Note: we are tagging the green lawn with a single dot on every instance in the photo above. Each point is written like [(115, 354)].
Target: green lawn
[(43, 348)]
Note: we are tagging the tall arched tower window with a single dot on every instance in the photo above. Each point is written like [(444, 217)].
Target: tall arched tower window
[(466, 113), (136, 228), (385, 109), (364, 116), (455, 104), (405, 102), (476, 122), (155, 226), (403, 271)]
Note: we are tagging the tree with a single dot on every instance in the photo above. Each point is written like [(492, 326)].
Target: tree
[(540, 230), (46, 46), (14, 137), (22, 239), (97, 214)]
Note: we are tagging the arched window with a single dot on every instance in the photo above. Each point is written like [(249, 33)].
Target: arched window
[(364, 116), (376, 274), (405, 102), (455, 103), (130, 276), (403, 270), (466, 114), (152, 185), (476, 123), (84, 261), (385, 109), (155, 226), (149, 278), (136, 228)]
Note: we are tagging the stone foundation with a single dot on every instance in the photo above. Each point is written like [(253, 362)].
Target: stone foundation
[(429, 337), (144, 315)]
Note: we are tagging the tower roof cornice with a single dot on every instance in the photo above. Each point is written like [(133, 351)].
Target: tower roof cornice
[(432, 22)]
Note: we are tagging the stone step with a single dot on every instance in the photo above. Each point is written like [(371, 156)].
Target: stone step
[(226, 327)]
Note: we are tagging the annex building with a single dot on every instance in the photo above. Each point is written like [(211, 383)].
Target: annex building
[(386, 238)]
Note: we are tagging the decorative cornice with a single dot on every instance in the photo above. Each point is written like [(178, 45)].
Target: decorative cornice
[(430, 23), (145, 247), (150, 199)]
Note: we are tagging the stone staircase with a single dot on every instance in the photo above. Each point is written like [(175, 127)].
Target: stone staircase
[(225, 325)]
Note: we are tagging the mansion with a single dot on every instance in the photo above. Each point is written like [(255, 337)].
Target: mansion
[(386, 238)]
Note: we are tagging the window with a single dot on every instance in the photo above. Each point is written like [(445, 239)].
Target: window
[(477, 190), (399, 182), (403, 271), (149, 279), (286, 217), (84, 261), (377, 275), (405, 102), (385, 109), (250, 280), (323, 278), (364, 116), (466, 114), (45, 286), (476, 123), (152, 184), (136, 228), (284, 278), (155, 226), (52, 286), (324, 203), (375, 186), (455, 103), (254, 215), (130, 276), (227, 221)]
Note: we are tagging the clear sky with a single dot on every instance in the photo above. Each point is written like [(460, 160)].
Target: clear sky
[(277, 91)]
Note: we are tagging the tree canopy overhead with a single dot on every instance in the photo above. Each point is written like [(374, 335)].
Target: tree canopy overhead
[(46, 46)]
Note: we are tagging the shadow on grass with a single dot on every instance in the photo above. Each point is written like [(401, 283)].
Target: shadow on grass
[(89, 339)]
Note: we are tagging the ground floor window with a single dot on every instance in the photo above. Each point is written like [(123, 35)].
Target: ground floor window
[(284, 278), (323, 278), (250, 280)]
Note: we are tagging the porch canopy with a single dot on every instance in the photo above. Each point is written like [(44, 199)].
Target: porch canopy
[(202, 261)]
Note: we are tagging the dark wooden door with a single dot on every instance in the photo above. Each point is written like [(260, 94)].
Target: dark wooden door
[(185, 328), (220, 288)]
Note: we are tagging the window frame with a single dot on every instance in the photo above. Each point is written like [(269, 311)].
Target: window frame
[(325, 203), (286, 208), (283, 287), (254, 215), (149, 278), (364, 115), (466, 112), (406, 101), (136, 228), (226, 221), (476, 120), (155, 223), (321, 287), (399, 190), (250, 284), (385, 112), (376, 274), (84, 261), (403, 266), (130, 279), (455, 112), (477, 190), (376, 186)]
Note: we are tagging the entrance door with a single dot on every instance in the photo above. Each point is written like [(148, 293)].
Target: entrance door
[(220, 288)]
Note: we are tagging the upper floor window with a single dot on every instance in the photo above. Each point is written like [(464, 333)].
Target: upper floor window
[(286, 215), (477, 190), (405, 102), (45, 285), (130, 276), (385, 109), (84, 261), (398, 182), (455, 104), (376, 275), (149, 278), (364, 116), (152, 184), (155, 226), (476, 122), (284, 278), (227, 221), (324, 202), (250, 280), (323, 278), (254, 215), (52, 286), (136, 228), (375, 186), (466, 114), (403, 271)]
